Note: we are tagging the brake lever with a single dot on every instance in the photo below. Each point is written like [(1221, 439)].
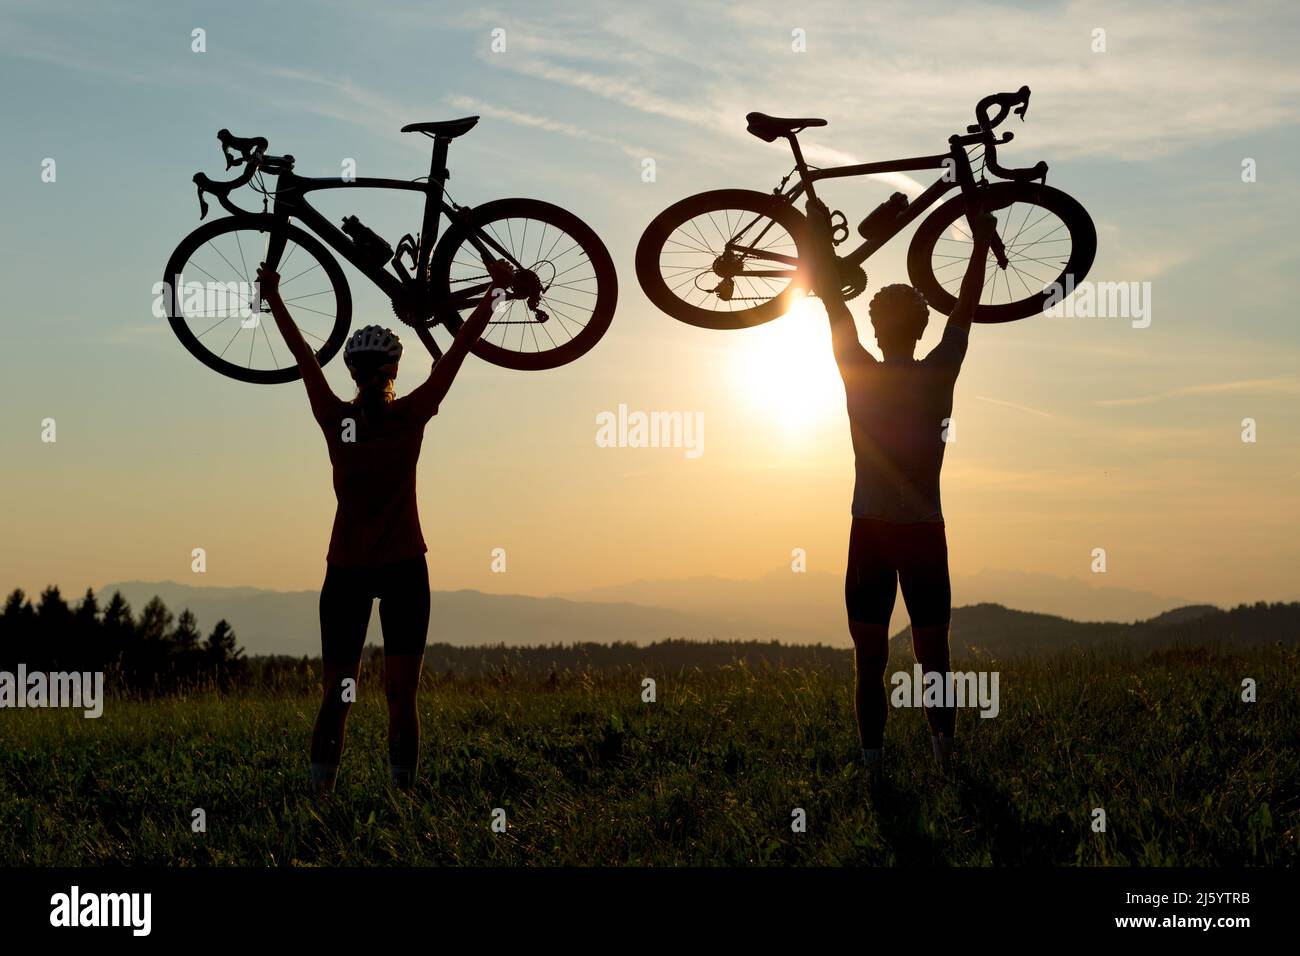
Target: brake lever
[(203, 204), (1023, 108)]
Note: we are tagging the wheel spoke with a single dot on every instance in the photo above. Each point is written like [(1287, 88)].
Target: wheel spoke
[(208, 306), (563, 268), (1027, 240)]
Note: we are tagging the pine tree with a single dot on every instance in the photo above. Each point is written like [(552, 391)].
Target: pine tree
[(88, 645), (183, 644), (224, 657), (55, 645), (17, 625)]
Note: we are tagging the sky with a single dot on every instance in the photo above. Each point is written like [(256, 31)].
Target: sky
[(1072, 433)]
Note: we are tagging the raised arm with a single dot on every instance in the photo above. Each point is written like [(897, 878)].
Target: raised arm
[(849, 352), (429, 395), (983, 228), (318, 390)]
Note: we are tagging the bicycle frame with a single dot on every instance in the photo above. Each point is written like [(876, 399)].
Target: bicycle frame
[(962, 178), (290, 201)]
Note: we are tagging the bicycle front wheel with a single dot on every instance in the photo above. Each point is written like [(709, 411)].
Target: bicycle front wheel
[(726, 259), (570, 278), (209, 293), (1048, 238)]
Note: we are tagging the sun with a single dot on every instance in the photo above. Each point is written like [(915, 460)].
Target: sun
[(785, 370)]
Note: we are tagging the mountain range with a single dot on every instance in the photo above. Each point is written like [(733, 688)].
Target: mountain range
[(792, 608)]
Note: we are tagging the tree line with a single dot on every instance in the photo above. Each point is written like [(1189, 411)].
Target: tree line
[(155, 651), (158, 652)]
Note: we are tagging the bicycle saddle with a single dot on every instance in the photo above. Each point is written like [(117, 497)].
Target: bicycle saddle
[(447, 129), (768, 128)]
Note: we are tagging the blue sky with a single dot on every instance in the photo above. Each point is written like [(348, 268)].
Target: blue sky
[(1078, 432)]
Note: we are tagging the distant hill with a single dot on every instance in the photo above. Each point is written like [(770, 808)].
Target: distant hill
[(999, 631), (981, 630), (1181, 614), (810, 606), (1258, 623), (287, 623)]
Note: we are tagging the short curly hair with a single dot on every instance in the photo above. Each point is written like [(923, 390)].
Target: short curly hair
[(899, 306)]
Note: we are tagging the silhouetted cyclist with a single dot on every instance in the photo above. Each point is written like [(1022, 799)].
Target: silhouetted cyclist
[(899, 414), (376, 548)]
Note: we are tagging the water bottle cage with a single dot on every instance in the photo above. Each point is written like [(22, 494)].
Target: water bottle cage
[(409, 247), (839, 227)]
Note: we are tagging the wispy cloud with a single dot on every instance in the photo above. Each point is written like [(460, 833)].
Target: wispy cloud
[(1171, 75), (349, 102), (534, 121), (1017, 407), (1270, 386)]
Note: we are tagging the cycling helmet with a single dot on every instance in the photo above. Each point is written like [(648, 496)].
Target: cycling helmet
[(372, 346)]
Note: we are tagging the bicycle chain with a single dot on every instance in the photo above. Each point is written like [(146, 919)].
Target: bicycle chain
[(493, 322), (855, 283)]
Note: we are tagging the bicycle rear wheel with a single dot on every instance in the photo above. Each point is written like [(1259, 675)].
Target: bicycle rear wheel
[(560, 259), (725, 259), (1050, 244), (209, 289)]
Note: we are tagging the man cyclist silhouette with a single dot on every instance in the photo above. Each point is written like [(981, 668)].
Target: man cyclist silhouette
[(376, 547), (899, 414)]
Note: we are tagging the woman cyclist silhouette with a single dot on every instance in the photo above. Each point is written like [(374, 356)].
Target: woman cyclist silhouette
[(376, 549)]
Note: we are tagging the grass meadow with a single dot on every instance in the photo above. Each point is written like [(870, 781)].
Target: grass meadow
[(709, 774)]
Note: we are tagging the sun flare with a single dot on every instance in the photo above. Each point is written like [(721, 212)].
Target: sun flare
[(786, 371)]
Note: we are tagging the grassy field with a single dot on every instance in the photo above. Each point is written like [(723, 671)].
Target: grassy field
[(587, 773)]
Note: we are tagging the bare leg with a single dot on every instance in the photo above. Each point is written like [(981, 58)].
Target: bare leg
[(870, 657), (344, 614), (401, 681), (331, 723), (931, 646)]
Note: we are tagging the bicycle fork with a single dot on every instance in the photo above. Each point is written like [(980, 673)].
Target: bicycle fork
[(974, 193)]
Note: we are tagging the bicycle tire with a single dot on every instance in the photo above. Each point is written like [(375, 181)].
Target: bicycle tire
[(603, 274), (1083, 236), (651, 249), (182, 254)]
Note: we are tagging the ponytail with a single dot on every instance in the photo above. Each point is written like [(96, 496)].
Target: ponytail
[(373, 399)]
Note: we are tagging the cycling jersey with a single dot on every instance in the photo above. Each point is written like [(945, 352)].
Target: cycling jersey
[(377, 521), (898, 412)]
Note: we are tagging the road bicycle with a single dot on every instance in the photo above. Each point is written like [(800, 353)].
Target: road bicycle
[(559, 303), (734, 258)]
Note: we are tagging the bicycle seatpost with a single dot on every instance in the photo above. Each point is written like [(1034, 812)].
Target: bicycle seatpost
[(801, 165), (438, 165), (438, 174)]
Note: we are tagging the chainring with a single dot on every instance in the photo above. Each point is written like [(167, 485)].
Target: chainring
[(408, 315), (853, 280)]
